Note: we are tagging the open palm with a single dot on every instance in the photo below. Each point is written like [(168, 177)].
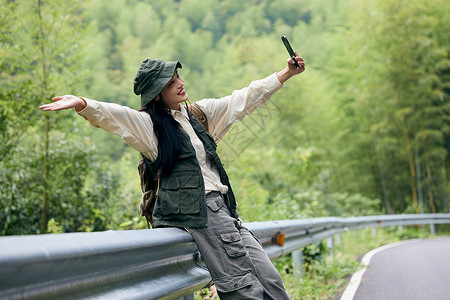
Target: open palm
[(64, 102)]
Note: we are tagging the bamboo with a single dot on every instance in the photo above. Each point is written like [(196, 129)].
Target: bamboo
[(411, 168), (45, 202)]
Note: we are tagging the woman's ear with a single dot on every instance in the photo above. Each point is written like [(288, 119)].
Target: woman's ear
[(157, 98)]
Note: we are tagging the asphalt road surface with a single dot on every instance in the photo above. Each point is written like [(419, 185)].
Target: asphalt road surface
[(418, 270)]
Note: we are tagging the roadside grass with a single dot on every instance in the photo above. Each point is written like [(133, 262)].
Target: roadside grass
[(327, 276)]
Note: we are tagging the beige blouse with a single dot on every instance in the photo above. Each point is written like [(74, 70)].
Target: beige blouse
[(136, 128)]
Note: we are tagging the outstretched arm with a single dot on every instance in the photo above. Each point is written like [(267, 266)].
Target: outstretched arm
[(291, 69), (65, 102), (222, 113), (135, 127)]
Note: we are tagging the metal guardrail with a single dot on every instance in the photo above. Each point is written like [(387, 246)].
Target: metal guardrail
[(147, 264)]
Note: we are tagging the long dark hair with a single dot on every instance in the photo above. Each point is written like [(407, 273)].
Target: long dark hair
[(168, 133)]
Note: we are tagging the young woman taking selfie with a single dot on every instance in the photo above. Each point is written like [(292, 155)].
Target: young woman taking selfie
[(193, 190)]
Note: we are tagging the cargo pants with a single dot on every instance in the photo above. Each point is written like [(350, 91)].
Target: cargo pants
[(235, 259)]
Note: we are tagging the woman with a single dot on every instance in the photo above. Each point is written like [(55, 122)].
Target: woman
[(194, 191)]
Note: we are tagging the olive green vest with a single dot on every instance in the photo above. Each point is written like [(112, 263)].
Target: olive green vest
[(181, 197)]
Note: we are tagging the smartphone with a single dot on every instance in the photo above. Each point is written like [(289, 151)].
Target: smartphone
[(289, 49)]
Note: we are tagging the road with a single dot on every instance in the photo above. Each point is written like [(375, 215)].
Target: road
[(416, 270)]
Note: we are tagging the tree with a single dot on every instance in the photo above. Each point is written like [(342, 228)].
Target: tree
[(401, 96), (42, 54)]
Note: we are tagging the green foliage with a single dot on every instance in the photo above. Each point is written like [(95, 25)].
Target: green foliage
[(72, 209), (409, 232), (20, 92), (363, 131), (44, 168), (312, 253), (325, 278)]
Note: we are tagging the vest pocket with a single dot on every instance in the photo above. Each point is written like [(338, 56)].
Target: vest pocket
[(190, 190), (181, 195), (169, 196)]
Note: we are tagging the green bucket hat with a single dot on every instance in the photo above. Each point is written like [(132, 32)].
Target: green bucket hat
[(152, 76)]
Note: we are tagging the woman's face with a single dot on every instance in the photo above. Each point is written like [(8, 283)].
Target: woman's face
[(173, 93)]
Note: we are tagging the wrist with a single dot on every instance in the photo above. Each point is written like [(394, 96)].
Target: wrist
[(81, 104), (284, 75)]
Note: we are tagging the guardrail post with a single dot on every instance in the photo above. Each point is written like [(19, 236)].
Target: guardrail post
[(400, 227), (432, 231), (297, 262), (374, 231), (330, 245)]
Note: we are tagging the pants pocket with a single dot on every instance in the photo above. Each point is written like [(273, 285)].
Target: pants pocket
[(233, 244), (228, 284), (215, 205)]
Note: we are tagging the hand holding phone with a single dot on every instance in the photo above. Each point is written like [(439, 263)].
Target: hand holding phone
[(289, 49)]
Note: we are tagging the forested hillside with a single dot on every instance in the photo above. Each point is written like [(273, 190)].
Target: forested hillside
[(364, 130)]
